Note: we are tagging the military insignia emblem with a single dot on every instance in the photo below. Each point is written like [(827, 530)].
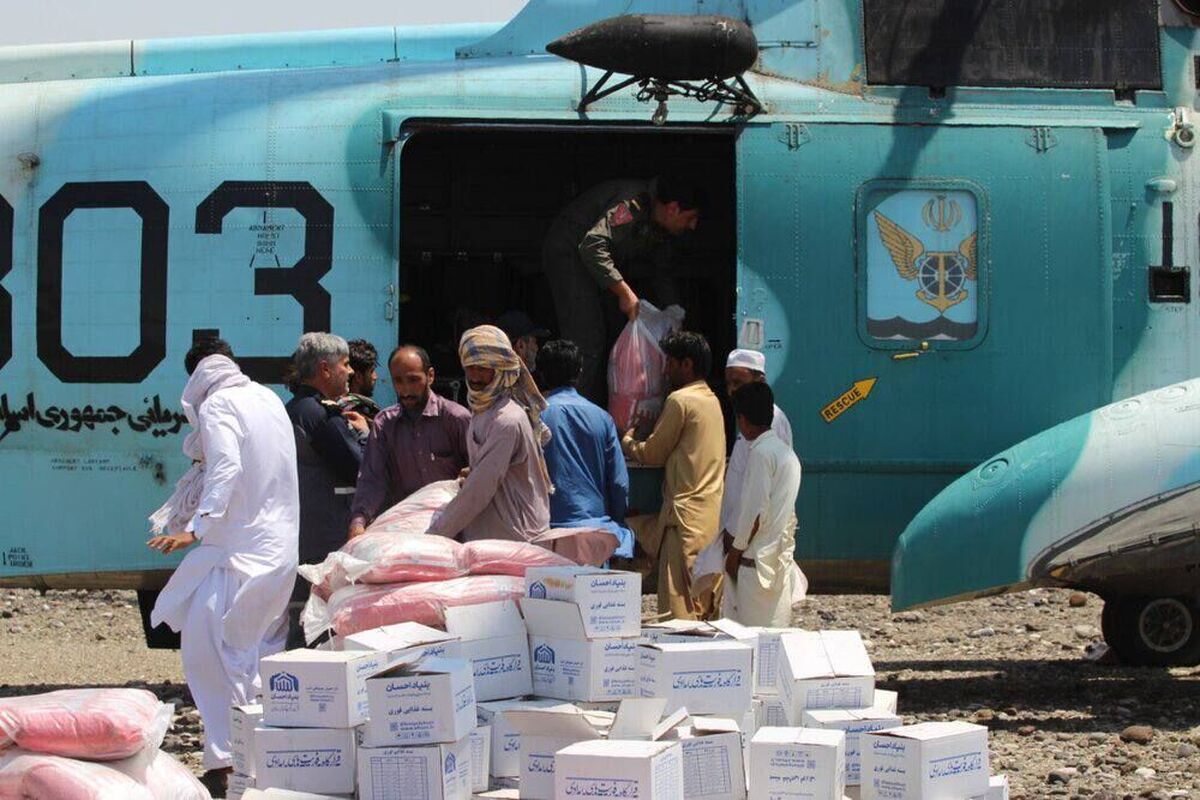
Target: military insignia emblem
[(942, 277), (922, 266)]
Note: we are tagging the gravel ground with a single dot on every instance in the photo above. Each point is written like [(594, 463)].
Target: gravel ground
[(1016, 663)]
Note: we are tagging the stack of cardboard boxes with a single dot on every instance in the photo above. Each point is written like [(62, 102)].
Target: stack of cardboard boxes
[(569, 696)]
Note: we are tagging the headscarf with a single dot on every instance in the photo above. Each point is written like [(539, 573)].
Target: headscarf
[(212, 374), (488, 346)]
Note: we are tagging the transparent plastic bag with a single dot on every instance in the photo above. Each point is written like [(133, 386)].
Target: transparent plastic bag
[(637, 381), (165, 777), (93, 724)]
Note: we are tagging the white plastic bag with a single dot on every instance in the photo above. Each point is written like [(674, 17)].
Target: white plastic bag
[(637, 381), (163, 776)]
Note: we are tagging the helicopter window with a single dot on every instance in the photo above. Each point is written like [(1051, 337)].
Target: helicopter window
[(1070, 44), (920, 265)]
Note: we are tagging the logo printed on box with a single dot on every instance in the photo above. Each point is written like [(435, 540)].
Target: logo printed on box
[(284, 683), (451, 763), (537, 590), (543, 654)]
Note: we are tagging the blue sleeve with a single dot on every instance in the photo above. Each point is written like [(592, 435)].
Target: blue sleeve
[(616, 475)]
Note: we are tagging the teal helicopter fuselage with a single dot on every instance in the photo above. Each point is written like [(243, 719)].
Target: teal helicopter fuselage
[(935, 273)]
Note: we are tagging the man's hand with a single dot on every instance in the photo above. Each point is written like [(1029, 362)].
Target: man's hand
[(733, 560), (627, 301), (171, 542), (356, 529), (356, 420)]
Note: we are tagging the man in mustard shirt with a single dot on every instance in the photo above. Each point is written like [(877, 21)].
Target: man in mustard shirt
[(689, 442)]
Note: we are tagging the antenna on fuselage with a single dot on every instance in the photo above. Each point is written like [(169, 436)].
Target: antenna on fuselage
[(667, 55)]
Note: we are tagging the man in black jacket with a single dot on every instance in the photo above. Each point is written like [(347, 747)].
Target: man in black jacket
[(328, 452)]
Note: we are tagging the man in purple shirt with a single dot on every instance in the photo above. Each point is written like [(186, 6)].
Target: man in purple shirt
[(416, 442)]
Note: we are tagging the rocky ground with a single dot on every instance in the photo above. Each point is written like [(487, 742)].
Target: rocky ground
[(1060, 724)]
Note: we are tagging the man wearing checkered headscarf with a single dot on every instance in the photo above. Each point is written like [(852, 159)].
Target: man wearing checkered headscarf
[(506, 495)]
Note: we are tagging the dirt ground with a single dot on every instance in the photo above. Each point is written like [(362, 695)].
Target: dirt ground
[(1015, 663)]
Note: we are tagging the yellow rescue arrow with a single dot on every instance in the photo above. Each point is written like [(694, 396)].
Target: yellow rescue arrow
[(854, 394)]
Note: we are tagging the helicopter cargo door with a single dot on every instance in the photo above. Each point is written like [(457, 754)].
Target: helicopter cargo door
[(925, 296)]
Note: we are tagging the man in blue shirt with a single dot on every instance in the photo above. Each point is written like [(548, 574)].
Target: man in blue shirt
[(583, 456)]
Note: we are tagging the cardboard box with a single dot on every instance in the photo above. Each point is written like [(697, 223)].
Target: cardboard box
[(238, 785), (797, 762), (242, 722), (480, 739), (853, 722), (492, 636), (545, 731), (288, 794), (432, 772), (309, 759), (620, 768), (713, 759), (887, 700), (770, 712), (766, 660), (929, 761), (506, 740), (429, 702), (824, 669), (569, 666), (317, 688), (403, 643), (706, 677), (610, 601), (997, 789)]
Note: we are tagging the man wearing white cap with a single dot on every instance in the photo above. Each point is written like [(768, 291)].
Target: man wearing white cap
[(741, 367)]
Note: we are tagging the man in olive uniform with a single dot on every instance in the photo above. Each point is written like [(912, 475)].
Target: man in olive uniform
[(328, 454), (599, 236)]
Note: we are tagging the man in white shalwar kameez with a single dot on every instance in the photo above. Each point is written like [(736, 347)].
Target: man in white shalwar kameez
[(240, 505), (760, 560), (741, 367)]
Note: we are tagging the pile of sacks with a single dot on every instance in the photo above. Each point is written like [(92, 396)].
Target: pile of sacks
[(90, 744), (394, 573), (566, 694)]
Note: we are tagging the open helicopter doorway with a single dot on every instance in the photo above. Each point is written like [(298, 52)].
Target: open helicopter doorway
[(476, 201)]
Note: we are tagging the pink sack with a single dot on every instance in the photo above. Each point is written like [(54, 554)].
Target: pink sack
[(29, 776), (414, 513), (94, 724), (360, 608), (384, 557), (506, 557), (637, 380)]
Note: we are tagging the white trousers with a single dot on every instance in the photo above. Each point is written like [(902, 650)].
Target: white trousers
[(218, 675), (769, 608)]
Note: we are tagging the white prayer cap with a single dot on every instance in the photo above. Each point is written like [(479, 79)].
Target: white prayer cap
[(750, 359)]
